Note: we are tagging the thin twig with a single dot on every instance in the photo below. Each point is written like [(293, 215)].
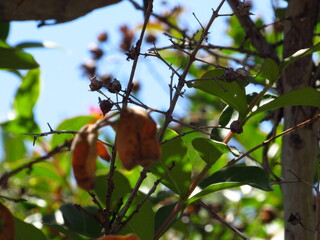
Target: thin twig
[(5, 177), (137, 50), (110, 184), (146, 197), (168, 119), (143, 175), (289, 130), (220, 219)]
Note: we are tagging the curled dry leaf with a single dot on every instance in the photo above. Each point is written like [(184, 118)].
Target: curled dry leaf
[(136, 139), (115, 237), (84, 156), (102, 151), (6, 223)]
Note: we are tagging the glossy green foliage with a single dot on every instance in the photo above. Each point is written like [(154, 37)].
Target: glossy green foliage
[(269, 70), (293, 98), (27, 94), (25, 230), (229, 92), (71, 124), (298, 55), (12, 58), (142, 223), (78, 221), (233, 177), (179, 178), (209, 150), (122, 187)]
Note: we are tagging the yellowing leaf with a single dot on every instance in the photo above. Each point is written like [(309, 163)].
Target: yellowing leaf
[(136, 139)]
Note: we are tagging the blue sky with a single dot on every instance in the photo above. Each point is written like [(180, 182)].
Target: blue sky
[(64, 90)]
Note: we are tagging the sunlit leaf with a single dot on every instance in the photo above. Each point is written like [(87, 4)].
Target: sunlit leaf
[(233, 177), (301, 97), (299, 54), (269, 70), (122, 187), (178, 179), (250, 175), (34, 44), (23, 229), (209, 150), (27, 94), (12, 58), (142, 223), (13, 146), (229, 92), (71, 124)]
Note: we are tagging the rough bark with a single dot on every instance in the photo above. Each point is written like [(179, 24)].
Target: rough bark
[(59, 10), (299, 149)]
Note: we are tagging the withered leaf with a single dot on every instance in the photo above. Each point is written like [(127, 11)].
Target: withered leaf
[(136, 138), (84, 155), (6, 223)]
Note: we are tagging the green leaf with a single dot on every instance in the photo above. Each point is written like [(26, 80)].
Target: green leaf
[(209, 150), (269, 70), (21, 125), (13, 146), (71, 124), (12, 58), (27, 94), (80, 222), (162, 214), (227, 115), (142, 223), (4, 30), (233, 176), (122, 187), (34, 44), (25, 231), (229, 92), (253, 176), (299, 54), (69, 234), (179, 178), (301, 97)]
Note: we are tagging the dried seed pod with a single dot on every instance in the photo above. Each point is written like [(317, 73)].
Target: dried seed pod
[(96, 84), (84, 156), (102, 37), (114, 86), (105, 106), (136, 139)]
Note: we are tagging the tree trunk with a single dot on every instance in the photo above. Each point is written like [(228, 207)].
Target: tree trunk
[(299, 149)]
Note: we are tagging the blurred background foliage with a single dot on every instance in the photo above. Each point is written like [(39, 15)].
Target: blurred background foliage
[(44, 198)]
